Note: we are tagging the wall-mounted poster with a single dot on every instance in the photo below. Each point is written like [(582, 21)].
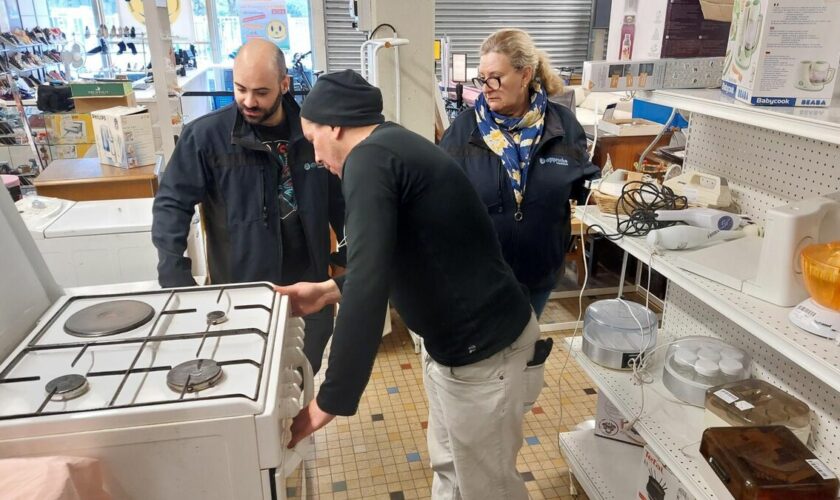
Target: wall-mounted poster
[(180, 17), (265, 19)]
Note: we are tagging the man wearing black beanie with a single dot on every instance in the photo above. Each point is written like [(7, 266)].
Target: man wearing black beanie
[(417, 232)]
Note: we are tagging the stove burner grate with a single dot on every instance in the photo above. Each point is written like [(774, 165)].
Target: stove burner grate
[(109, 318), (67, 387), (194, 375)]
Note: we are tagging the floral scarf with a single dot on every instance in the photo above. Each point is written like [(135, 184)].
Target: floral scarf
[(513, 139)]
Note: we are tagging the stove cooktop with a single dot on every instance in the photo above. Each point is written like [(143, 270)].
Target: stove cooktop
[(106, 352)]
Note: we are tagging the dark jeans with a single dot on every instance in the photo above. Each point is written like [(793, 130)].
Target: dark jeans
[(319, 327)]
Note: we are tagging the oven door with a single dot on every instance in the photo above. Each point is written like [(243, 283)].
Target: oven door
[(276, 486)]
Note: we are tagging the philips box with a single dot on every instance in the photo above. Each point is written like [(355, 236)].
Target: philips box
[(124, 136), (783, 52)]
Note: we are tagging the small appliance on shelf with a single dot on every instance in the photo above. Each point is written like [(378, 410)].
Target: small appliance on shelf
[(766, 463), (694, 364), (820, 314), (756, 402), (616, 332)]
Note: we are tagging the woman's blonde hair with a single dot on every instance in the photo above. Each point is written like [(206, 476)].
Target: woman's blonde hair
[(519, 47)]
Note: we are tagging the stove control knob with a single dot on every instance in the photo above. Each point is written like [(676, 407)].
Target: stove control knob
[(294, 341), (292, 376), (295, 356), (292, 391), (295, 322), (289, 407)]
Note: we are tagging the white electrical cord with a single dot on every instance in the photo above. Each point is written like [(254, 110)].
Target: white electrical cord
[(580, 310), (640, 374), (595, 130)]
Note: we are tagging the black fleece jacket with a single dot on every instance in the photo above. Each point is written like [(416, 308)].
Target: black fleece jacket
[(221, 163), (417, 232)]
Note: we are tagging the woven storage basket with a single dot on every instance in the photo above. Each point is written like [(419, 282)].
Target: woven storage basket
[(607, 204)]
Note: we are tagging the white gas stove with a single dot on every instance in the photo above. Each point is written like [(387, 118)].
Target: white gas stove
[(181, 393)]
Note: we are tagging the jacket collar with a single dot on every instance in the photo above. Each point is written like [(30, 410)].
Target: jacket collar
[(552, 129), (243, 134)]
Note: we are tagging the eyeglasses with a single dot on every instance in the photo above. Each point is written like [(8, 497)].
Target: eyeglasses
[(493, 83)]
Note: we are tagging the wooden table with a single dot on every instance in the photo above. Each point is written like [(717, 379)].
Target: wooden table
[(86, 179)]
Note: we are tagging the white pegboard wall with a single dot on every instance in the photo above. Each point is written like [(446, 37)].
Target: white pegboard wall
[(764, 168), (685, 315)]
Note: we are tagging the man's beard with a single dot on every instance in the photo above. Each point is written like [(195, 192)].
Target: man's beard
[(265, 114)]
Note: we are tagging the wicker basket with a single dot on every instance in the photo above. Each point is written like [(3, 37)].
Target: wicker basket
[(608, 204)]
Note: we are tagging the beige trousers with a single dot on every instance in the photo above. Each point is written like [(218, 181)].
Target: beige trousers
[(475, 422)]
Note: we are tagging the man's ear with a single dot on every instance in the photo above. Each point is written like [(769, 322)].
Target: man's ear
[(336, 132), (285, 84)]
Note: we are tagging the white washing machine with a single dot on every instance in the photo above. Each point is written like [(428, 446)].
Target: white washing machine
[(98, 242)]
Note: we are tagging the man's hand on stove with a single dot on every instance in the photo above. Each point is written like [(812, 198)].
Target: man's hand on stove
[(308, 298), (309, 420)]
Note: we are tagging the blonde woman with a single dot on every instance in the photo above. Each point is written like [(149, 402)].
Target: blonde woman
[(525, 155)]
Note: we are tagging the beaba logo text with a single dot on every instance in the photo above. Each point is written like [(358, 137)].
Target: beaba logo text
[(813, 102)]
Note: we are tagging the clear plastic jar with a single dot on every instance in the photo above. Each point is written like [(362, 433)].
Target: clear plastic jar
[(730, 367), (709, 354), (708, 372), (736, 354), (683, 362)]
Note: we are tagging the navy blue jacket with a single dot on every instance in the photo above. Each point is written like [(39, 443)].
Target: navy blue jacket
[(535, 246), (221, 163)]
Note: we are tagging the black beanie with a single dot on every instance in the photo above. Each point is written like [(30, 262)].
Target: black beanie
[(343, 99)]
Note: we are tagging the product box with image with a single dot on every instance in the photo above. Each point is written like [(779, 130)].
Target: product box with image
[(611, 424), (657, 482), (650, 29), (691, 73), (783, 52), (124, 136)]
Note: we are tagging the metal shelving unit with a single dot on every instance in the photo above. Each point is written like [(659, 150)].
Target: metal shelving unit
[(765, 321), (617, 481), (770, 156), (671, 429), (822, 124)]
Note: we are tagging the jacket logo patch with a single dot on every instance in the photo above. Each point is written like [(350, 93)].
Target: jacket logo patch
[(311, 165), (563, 162)]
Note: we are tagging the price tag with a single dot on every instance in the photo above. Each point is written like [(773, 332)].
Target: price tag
[(726, 396), (744, 405), (820, 467)]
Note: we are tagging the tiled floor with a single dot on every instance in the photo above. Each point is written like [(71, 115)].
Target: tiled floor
[(381, 451)]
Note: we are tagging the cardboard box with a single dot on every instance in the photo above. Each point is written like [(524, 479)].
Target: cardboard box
[(91, 104), (69, 128), (697, 72), (124, 136), (717, 10), (783, 52), (650, 29), (629, 126), (100, 89), (611, 424), (657, 482)]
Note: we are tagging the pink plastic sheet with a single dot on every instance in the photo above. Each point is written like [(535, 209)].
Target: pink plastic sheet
[(51, 478)]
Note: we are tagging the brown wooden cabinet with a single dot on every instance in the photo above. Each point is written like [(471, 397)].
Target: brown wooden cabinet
[(86, 179), (624, 150)]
